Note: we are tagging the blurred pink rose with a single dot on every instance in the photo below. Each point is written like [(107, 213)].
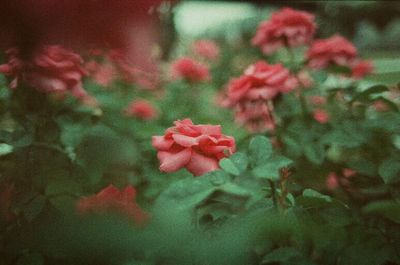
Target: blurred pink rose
[(190, 70), (255, 115), (110, 199), (380, 105), (141, 109), (51, 69), (332, 181), (317, 100), (198, 148), (147, 77), (102, 73), (321, 116), (361, 68), (206, 48), (334, 50), (286, 27), (261, 81), (348, 172)]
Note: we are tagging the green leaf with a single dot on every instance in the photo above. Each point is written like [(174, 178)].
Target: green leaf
[(5, 149), (240, 160), (388, 209), (314, 199), (230, 167), (271, 168), (34, 208), (260, 150), (365, 95), (62, 186), (315, 153), (64, 203), (389, 170)]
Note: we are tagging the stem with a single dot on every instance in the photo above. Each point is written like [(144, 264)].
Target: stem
[(291, 56), (284, 189), (273, 194)]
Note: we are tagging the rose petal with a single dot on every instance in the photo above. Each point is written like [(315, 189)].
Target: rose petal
[(200, 164), (160, 143), (171, 162)]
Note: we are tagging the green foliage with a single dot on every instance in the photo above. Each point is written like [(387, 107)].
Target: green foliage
[(306, 193)]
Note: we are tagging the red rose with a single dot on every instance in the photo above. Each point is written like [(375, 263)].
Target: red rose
[(141, 109), (361, 68), (110, 199), (261, 81), (198, 148), (206, 48), (334, 50), (50, 69), (190, 70), (332, 181), (321, 116), (286, 27)]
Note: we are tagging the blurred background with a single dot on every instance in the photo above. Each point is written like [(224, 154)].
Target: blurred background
[(135, 25)]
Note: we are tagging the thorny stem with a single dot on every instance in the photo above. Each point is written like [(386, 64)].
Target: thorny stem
[(302, 100)]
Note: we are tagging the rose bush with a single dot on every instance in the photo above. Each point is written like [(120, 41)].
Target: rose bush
[(310, 174)]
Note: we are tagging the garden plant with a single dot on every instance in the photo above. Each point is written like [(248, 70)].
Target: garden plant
[(268, 151)]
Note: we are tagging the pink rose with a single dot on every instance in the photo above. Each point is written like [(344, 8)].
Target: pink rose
[(190, 70), (261, 81), (321, 116), (103, 74), (255, 115), (286, 27), (317, 100), (141, 109), (348, 172), (332, 181), (148, 79), (198, 148), (334, 50), (206, 48), (380, 105), (361, 68), (110, 199), (52, 69)]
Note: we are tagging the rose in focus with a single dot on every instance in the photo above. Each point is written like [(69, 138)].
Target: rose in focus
[(198, 148)]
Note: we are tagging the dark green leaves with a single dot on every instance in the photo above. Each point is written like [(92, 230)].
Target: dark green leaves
[(388, 209), (367, 94), (389, 170)]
